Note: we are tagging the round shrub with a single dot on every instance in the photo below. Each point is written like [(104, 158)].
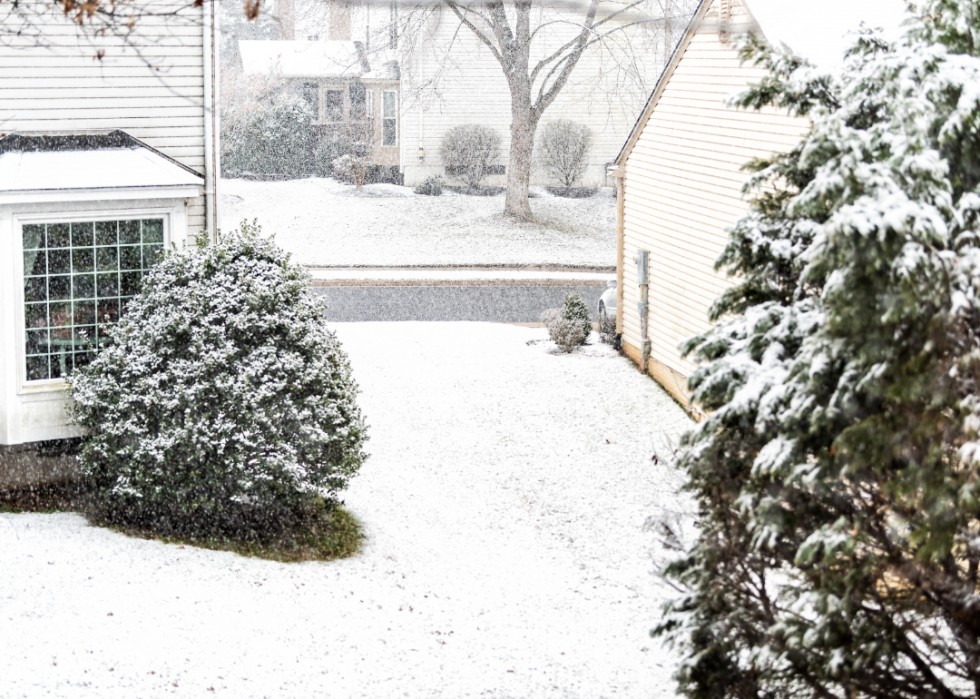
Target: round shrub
[(222, 403), (469, 152)]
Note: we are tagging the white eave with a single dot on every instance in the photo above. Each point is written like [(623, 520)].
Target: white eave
[(73, 175)]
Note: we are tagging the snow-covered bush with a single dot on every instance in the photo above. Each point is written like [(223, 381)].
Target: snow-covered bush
[(836, 470), (570, 325), (222, 402), (268, 133), (432, 186), (576, 311), (469, 152), (351, 168), (565, 148)]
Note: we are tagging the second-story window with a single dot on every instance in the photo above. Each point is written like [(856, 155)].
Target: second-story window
[(389, 124)]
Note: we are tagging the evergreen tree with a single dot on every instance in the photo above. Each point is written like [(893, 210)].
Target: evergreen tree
[(837, 473)]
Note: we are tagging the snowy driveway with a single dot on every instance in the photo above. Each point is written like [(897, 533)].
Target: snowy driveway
[(503, 504)]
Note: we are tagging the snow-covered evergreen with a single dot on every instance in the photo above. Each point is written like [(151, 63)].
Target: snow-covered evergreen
[(222, 396), (837, 469)]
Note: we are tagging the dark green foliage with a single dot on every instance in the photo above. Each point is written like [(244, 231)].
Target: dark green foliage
[(432, 186), (837, 469), (268, 136), (223, 406), (577, 312)]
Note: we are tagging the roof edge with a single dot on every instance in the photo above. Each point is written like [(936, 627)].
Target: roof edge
[(81, 140), (668, 71)]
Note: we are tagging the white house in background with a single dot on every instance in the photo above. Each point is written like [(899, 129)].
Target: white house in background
[(440, 77), (679, 174), (103, 164)]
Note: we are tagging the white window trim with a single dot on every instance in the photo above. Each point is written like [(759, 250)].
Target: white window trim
[(169, 214), (383, 117)]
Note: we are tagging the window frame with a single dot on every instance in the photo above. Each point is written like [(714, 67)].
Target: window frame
[(385, 118), (166, 213)]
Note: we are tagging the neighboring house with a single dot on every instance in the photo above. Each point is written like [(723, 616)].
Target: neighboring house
[(352, 94), (104, 162), (438, 77), (680, 173)]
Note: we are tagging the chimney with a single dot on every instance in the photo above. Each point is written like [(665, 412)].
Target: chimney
[(339, 20), (286, 15)]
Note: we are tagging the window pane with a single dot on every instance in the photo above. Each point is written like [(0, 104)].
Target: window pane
[(81, 235), (358, 101), (311, 95), (106, 232), (153, 231), (390, 106), (390, 132), (72, 286), (34, 237), (334, 105)]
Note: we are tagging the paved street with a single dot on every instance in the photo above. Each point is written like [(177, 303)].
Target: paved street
[(453, 296)]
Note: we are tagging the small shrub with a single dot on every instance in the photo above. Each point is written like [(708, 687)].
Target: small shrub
[(432, 186), (576, 310), (565, 150), (569, 326), (351, 168), (469, 152), (607, 331), (221, 404)]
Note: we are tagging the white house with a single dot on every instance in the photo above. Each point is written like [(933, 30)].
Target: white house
[(429, 73), (680, 172), (104, 162)]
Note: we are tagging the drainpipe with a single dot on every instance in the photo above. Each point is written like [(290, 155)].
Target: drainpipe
[(642, 260), (619, 173)]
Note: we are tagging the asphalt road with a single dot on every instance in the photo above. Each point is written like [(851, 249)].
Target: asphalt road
[(508, 303)]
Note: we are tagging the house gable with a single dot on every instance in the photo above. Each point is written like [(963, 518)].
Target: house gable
[(682, 181)]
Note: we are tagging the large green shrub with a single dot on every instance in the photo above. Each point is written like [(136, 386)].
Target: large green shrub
[(222, 402), (268, 136)]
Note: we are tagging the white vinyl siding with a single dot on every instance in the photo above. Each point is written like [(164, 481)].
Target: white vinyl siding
[(155, 94), (683, 188)]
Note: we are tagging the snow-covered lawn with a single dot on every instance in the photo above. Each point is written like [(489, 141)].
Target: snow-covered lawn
[(503, 503), (325, 222)]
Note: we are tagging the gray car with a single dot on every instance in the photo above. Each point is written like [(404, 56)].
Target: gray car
[(607, 307)]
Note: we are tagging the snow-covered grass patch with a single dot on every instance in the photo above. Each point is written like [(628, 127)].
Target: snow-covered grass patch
[(504, 503), (327, 223)]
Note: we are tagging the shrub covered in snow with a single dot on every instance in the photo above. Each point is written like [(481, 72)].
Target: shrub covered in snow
[(267, 135), (469, 152), (432, 186), (569, 326), (351, 168), (222, 402), (837, 466), (564, 151)]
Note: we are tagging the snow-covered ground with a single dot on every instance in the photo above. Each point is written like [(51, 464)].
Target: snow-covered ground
[(324, 222), (504, 505)]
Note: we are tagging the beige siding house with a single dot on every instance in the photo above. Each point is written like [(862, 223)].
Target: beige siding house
[(680, 177), (107, 157), (680, 172)]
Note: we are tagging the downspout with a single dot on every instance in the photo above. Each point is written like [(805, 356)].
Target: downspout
[(212, 128), (619, 173), (642, 260)]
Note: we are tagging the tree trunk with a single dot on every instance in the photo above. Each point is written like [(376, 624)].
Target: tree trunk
[(524, 122)]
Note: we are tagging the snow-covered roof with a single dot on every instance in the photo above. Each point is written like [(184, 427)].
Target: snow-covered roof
[(36, 162), (817, 30), (315, 59)]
